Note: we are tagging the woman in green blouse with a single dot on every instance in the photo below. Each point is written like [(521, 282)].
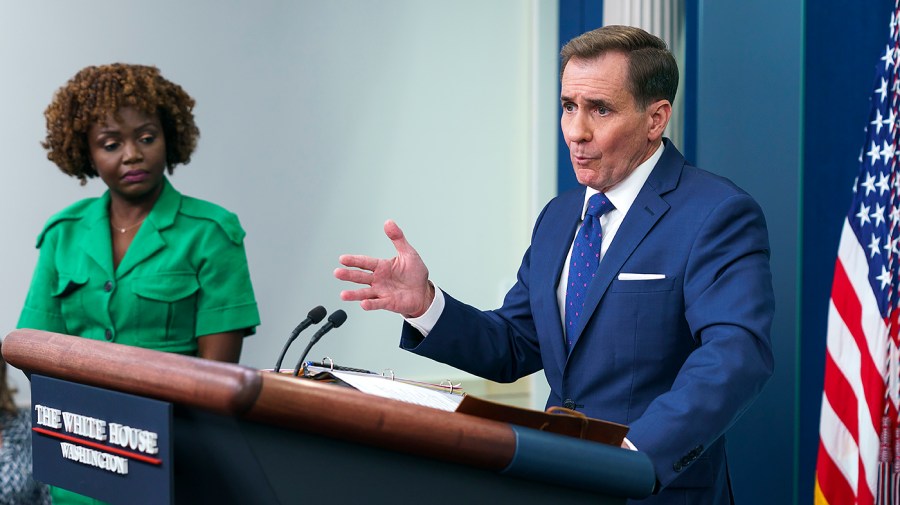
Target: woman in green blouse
[(141, 265)]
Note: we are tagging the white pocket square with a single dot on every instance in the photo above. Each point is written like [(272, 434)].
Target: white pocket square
[(640, 277)]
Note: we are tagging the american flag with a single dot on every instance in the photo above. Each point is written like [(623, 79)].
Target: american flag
[(859, 444)]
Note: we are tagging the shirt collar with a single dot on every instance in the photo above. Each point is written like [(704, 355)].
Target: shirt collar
[(623, 194), (162, 215), (166, 207)]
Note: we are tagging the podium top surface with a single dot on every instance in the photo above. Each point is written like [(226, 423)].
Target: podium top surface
[(332, 411)]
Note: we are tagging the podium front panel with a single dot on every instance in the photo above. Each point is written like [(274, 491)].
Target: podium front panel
[(108, 445)]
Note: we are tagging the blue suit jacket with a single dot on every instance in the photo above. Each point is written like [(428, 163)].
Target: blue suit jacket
[(677, 359)]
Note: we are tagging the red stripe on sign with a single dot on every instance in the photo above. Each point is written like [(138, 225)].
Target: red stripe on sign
[(95, 445)]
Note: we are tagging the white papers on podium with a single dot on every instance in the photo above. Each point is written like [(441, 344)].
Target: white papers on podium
[(387, 387)]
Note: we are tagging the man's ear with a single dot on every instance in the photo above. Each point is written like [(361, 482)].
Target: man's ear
[(658, 115)]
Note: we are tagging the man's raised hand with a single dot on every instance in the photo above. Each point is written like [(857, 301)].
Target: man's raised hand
[(399, 284)]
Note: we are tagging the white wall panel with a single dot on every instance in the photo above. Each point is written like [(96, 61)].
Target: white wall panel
[(319, 121)]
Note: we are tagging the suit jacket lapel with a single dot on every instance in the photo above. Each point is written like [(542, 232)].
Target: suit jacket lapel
[(562, 228), (644, 213)]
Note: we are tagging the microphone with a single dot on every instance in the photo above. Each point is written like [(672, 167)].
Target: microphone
[(315, 315), (336, 319)]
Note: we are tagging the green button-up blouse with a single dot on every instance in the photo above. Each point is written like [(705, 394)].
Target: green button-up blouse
[(185, 275)]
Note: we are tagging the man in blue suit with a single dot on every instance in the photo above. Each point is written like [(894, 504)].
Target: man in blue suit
[(669, 334)]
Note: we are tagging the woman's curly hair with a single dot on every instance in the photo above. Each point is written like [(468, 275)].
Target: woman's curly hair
[(95, 93)]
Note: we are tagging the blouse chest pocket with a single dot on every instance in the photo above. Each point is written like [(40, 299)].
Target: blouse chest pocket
[(70, 293), (166, 307)]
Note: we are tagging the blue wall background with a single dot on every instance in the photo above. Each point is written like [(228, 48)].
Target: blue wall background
[(776, 96), (748, 120)]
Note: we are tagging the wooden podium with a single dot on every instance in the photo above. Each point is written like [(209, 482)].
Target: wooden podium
[(243, 435)]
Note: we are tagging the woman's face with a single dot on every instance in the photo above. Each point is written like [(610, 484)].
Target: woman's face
[(129, 153)]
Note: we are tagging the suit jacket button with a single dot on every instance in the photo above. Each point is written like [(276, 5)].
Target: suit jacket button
[(677, 466), (569, 404), (108, 335)]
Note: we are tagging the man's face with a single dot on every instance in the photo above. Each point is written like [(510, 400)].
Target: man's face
[(607, 134)]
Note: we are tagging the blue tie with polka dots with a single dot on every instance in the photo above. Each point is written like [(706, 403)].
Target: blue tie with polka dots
[(585, 260)]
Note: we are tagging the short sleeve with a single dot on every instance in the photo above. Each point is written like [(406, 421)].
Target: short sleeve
[(225, 301), (42, 310)]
